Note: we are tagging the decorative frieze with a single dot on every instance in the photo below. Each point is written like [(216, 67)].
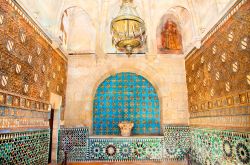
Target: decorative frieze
[(218, 73), (30, 69)]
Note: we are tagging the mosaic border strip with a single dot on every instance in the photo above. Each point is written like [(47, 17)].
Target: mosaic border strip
[(18, 101), (241, 99)]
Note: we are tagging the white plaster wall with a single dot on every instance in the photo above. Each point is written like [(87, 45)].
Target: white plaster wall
[(166, 73)]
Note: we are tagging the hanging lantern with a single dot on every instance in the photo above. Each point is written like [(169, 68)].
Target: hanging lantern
[(128, 29)]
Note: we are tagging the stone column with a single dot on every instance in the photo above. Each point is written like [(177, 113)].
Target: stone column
[(56, 102), (56, 127)]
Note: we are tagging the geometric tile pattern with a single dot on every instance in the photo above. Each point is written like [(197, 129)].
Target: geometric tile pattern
[(220, 147), (176, 142), (73, 141), (126, 96), (30, 147), (122, 148), (125, 149), (204, 146)]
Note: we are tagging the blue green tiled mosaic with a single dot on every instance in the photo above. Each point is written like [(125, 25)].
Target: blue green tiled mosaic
[(126, 97), (73, 141), (125, 149), (29, 147), (210, 146)]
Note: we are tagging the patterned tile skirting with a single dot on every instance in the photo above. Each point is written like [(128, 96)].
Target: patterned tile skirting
[(176, 142), (206, 146), (125, 149), (73, 141), (30, 147), (220, 147), (79, 147)]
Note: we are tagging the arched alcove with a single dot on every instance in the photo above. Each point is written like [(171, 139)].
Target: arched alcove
[(169, 38), (126, 96), (176, 25), (75, 37)]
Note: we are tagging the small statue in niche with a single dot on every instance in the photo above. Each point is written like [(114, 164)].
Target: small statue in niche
[(170, 38), (126, 127)]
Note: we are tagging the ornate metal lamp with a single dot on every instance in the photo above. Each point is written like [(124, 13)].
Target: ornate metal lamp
[(128, 29)]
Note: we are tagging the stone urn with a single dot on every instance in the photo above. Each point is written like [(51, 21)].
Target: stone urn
[(126, 127)]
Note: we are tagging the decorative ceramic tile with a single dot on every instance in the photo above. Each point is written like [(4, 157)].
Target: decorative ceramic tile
[(2, 98), (22, 102), (16, 102), (176, 142), (125, 149), (126, 97), (31, 147), (73, 141), (9, 100), (220, 147), (172, 146)]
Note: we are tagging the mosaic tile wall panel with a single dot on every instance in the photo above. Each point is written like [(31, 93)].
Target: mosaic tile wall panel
[(73, 141), (220, 147), (126, 96), (176, 143), (125, 149), (218, 74), (172, 146), (30, 147), (29, 67)]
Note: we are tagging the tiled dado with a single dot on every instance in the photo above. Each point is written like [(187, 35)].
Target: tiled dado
[(79, 147), (30, 147), (209, 146), (125, 149), (176, 142), (74, 141), (206, 146)]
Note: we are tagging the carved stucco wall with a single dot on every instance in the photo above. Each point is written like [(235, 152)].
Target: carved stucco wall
[(218, 76), (30, 69), (167, 75)]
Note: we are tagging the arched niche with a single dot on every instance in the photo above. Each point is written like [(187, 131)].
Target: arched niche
[(126, 96), (169, 38), (78, 32), (178, 21)]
